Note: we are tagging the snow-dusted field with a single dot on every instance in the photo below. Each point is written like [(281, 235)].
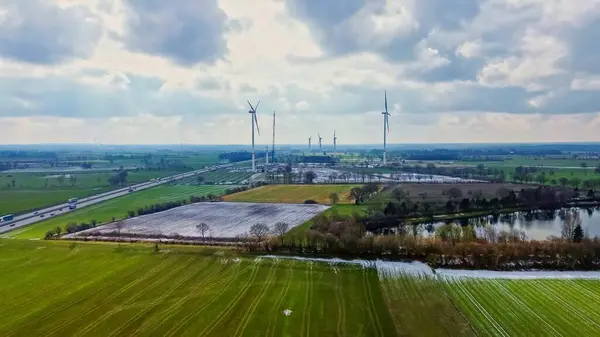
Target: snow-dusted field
[(225, 219)]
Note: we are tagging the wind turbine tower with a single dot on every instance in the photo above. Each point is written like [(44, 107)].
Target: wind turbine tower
[(334, 143), (252, 113), (309, 144), (320, 143), (273, 149), (386, 128), (267, 156)]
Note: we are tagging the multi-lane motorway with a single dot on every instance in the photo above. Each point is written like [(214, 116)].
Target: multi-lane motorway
[(49, 212)]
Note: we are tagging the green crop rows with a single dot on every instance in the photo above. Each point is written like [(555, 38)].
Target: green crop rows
[(530, 307), (57, 288), (108, 290)]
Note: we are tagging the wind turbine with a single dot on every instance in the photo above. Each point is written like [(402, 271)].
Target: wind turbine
[(309, 143), (252, 113), (320, 144), (334, 142), (386, 128)]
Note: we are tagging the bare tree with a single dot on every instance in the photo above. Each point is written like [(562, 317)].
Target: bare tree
[(119, 226), (203, 228), (72, 179), (260, 230), (571, 221), (280, 229), (334, 197)]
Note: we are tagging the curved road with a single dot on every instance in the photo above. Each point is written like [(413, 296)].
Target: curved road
[(56, 210)]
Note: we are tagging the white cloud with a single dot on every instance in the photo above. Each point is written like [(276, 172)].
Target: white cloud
[(469, 49), (584, 83), (501, 72), (302, 105)]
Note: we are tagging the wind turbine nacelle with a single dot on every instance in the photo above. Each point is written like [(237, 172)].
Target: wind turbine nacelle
[(250, 111)]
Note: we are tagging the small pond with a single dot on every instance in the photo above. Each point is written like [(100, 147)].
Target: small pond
[(537, 225)]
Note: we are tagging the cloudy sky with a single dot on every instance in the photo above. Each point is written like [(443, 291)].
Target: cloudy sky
[(156, 71)]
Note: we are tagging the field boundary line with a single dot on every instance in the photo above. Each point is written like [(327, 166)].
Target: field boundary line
[(189, 316), (47, 289), (280, 298), (307, 299), (232, 303), (585, 289), (79, 299), (482, 310), (109, 313), (454, 304), (369, 296), (522, 304), (341, 324), (164, 315), (160, 299), (257, 300), (572, 309)]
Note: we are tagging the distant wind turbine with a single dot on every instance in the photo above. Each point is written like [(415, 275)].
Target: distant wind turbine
[(386, 128), (320, 143), (252, 113), (309, 144), (334, 142)]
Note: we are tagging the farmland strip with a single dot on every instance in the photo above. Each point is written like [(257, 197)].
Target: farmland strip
[(307, 299), (339, 296), (498, 328), (232, 303), (109, 313), (279, 300), (79, 299), (170, 311), (248, 314), (372, 310), (523, 305), (157, 301), (188, 317)]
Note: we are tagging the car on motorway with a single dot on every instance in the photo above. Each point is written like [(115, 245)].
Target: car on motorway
[(35, 213), (51, 214), (42, 215)]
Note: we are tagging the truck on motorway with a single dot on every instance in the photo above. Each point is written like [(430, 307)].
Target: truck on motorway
[(6, 218), (73, 206)]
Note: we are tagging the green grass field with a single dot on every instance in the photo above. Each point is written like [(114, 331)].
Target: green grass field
[(419, 306), (529, 307), (31, 192), (200, 160), (293, 193), (117, 208), (218, 177), (535, 161), (60, 288), (109, 290)]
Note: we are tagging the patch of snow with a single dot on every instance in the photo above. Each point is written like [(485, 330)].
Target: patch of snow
[(383, 267), (517, 275)]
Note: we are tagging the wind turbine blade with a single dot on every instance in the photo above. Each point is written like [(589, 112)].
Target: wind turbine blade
[(250, 104), (256, 122), (256, 107), (387, 122), (385, 97)]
